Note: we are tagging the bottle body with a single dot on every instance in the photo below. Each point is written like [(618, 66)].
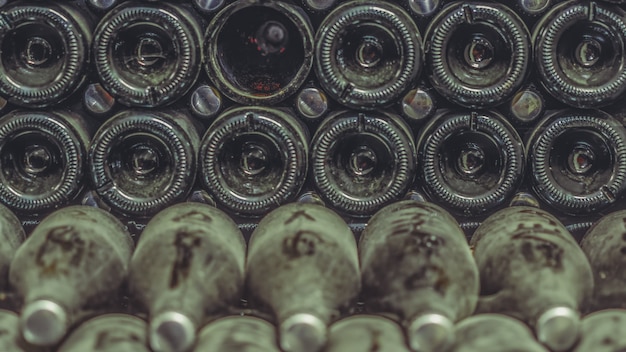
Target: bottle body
[(531, 268), (302, 271), (108, 333), (253, 159), (603, 331), (142, 161), (12, 235), (148, 54), (435, 282), (238, 333), (366, 333), (189, 263), (362, 161)]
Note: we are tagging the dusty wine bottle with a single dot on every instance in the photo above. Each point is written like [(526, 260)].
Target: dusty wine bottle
[(11, 339), (108, 333), (253, 159), (303, 265), (237, 334), (366, 333), (45, 51), (531, 268), (141, 161), (75, 257), (605, 247), (148, 54), (435, 281), (362, 161), (578, 160), (472, 162), (189, 262), (494, 333), (478, 53), (42, 158), (259, 52), (11, 237), (580, 47), (603, 331), (367, 53)]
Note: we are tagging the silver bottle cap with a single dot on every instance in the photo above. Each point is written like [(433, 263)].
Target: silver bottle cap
[(431, 333), (171, 332), (43, 323), (303, 333), (558, 328)]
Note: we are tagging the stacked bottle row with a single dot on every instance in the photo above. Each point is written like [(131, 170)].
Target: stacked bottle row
[(421, 286), (364, 55)]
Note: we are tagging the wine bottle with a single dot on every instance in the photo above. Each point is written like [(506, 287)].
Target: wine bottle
[(10, 339), (603, 331), (45, 51), (362, 161), (42, 159), (367, 53), (494, 333), (435, 280), (579, 49), (303, 265), (578, 160), (11, 237), (259, 52), (76, 257), (189, 262), (531, 268), (478, 53), (147, 53), (366, 333), (605, 247), (108, 333), (472, 162), (141, 161), (237, 334), (253, 159)]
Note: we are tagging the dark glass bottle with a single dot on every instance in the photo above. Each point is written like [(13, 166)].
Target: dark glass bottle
[(471, 162), (142, 161), (577, 160), (367, 53), (603, 331), (365, 332), (108, 333), (580, 49), (303, 265), (11, 237), (434, 282), (147, 53), (189, 263), (531, 268), (237, 334), (253, 159), (605, 247), (259, 52), (45, 51), (42, 159), (494, 333), (75, 258), (478, 53), (362, 161)]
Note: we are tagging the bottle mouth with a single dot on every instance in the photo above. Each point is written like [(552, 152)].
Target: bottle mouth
[(43, 56), (43, 323), (363, 162), (479, 54), (147, 56), (172, 332), (471, 162), (368, 54), (254, 159), (259, 52), (585, 40), (430, 333), (303, 333), (41, 159), (141, 162), (558, 328)]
